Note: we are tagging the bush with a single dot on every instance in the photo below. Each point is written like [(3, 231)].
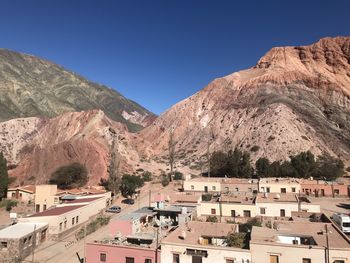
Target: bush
[(255, 148), (146, 176), (212, 219), (206, 197), (247, 227), (70, 176), (165, 181), (8, 204), (236, 240), (178, 176), (129, 184)]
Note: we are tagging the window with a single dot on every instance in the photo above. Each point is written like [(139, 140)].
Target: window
[(13, 194), (176, 258), (267, 189), (233, 213), (283, 190), (77, 219), (336, 191), (282, 213), (262, 210), (274, 259), (37, 208), (3, 245), (205, 188), (73, 219), (338, 261), (44, 207), (148, 260), (61, 226), (192, 187), (230, 261), (129, 260), (306, 260), (214, 188), (237, 189), (20, 194), (246, 213), (65, 224), (103, 257), (213, 211), (196, 259), (293, 189)]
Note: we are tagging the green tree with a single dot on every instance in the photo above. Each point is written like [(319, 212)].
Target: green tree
[(262, 167), (70, 176), (328, 167), (303, 163), (245, 168), (129, 184), (4, 178), (218, 163), (236, 240), (233, 159), (165, 181), (274, 169), (287, 170), (146, 176), (171, 145)]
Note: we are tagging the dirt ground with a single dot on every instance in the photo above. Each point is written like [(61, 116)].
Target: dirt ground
[(4, 218)]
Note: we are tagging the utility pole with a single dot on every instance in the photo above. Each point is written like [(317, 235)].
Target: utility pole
[(149, 198), (157, 240), (327, 245)]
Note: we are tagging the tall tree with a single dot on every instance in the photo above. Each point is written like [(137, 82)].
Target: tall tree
[(171, 146), (262, 167), (303, 163), (4, 178), (114, 180), (328, 167)]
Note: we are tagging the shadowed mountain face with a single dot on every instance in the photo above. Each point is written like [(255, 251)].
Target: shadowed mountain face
[(32, 87), (294, 99)]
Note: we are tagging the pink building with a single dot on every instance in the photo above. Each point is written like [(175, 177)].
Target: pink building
[(321, 188), (120, 253)]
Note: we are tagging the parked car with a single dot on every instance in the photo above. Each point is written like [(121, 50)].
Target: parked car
[(114, 209), (128, 201)]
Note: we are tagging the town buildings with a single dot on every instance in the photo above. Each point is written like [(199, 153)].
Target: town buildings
[(305, 242), (23, 194), (197, 242), (319, 188)]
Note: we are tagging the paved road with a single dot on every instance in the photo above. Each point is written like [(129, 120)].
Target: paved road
[(65, 251)]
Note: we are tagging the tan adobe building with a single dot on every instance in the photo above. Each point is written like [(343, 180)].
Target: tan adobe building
[(22, 193), (304, 242), (267, 205), (320, 188), (202, 242), (279, 185)]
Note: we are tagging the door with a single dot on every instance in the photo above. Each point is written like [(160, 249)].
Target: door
[(196, 259), (246, 213), (283, 213), (206, 189), (283, 190), (274, 259), (322, 192), (233, 213)]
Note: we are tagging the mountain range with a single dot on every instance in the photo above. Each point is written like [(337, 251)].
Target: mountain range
[(294, 99)]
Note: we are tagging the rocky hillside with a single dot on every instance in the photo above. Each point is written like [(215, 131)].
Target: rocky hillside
[(35, 147), (33, 87), (294, 99)]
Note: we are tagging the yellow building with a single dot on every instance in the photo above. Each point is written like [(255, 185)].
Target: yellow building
[(279, 185)]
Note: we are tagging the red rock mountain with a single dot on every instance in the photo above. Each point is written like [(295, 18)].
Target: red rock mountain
[(294, 99)]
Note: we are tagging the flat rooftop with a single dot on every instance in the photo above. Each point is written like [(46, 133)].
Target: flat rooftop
[(191, 232), (184, 198), (57, 211), (21, 229), (319, 182), (82, 200), (223, 180), (276, 198), (142, 212), (237, 199), (273, 180), (315, 230)]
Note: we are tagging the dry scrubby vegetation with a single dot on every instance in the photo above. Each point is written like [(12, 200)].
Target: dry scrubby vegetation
[(237, 163)]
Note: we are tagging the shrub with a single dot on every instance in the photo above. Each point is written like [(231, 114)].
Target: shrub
[(255, 148), (8, 204), (146, 176), (129, 184), (70, 176), (165, 181), (212, 219), (206, 197), (236, 240), (178, 176)]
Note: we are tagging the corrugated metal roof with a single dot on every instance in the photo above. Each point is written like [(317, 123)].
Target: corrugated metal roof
[(21, 229)]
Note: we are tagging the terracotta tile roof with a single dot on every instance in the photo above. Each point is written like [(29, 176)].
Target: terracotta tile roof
[(57, 211), (26, 188), (83, 200)]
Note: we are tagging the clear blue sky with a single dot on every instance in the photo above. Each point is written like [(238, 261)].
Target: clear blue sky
[(160, 52)]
